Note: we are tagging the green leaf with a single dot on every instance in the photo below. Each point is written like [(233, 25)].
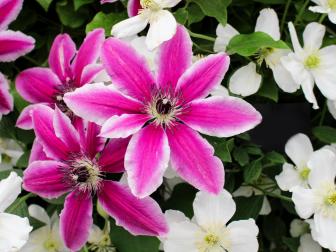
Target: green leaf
[(181, 16), (195, 14), (248, 207), (325, 134), (57, 201), (241, 156), (214, 8), (23, 160), (223, 150), (69, 17), (80, 3), (106, 21), (270, 90), (291, 243), (45, 4), (249, 44), (253, 171), (275, 157)]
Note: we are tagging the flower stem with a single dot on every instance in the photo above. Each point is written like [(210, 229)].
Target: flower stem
[(271, 194), (323, 114), (283, 20), (304, 6), (201, 36), (322, 18)]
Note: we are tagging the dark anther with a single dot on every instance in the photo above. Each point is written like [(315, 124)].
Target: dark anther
[(163, 106), (82, 173)]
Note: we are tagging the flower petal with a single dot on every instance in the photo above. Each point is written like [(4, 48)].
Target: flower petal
[(124, 125), (37, 153), (9, 10), (97, 103), (42, 117), (324, 231), (308, 244), (203, 76), (289, 178), (295, 40), (24, 121), (175, 56), (90, 72), (211, 210), (10, 189), (224, 35), (45, 178), (313, 36), (90, 141), (88, 53), (113, 155), (39, 213), (162, 28), (221, 116), (245, 81), (6, 99), (14, 45), (299, 149), (76, 220), (146, 160), (129, 71), (192, 158), (130, 26), (304, 200), (138, 216), (37, 85), (133, 7), (61, 54), (268, 22)]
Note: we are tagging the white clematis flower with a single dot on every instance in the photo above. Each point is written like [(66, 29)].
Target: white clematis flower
[(299, 149), (14, 230), (332, 108), (325, 7), (319, 200), (46, 238), (10, 152), (209, 232), (162, 22), (311, 64), (100, 240), (246, 81), (298, 227), (307, 244)]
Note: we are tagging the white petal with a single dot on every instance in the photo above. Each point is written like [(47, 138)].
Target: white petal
[(213, 209), (243, 236), (266, 207), (102, 76), (243, 191), (307, 244), (96, 234), (318, 9), (224, 35), (323, 169), (298, 227), (219, 90), (36, 240), (299, 149), (173, 216), (245, 81), (284, 79), (295, 40), (168, 3), (162, 28), (130, 26), (39, 213), (332, 17), (268, 22), (10, 189), (313, 36), (139, 43), (14, 231), (324, 231), (332, 108), (288, 178), (308, 89), (181, 237), (304, 201)]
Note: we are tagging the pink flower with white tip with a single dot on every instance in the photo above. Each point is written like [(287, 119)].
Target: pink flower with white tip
[(163, 113), (78, 163), (13, 44), (68, 70)]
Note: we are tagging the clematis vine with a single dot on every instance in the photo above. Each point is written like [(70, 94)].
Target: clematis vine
[(68, 70), (79, 163), (141, 12), (13, 44), (164, 112), (311, 64)]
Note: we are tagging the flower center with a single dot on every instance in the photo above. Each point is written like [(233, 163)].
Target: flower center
[(312, 61), (263, 54), (304, 173), (211, 239), (332, 4), (149, 4), (331, 199), (51, 245), (325, 197), (163, 106)]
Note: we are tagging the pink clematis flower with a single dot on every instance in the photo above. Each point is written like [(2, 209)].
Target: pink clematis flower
[(164, 113), (78, 164), (12, 46), (69, 69)]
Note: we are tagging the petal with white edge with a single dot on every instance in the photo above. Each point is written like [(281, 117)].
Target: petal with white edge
[(10, 189), (332, 108), (130, 26), (39, 213), (324, 231)]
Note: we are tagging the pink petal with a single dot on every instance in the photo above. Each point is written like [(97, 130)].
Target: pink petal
[(65, 131), (221, 116), (76, 220), (37, 85), (6, 99), (14, 45), (42, 117), (25, 121), (203, 76), (89, 52), (133, 7), (124, 125), (91, 142), (89, 73), (97, 103), (37, 153), (45, 178), (138, 216), (192, 157), (128, 70), (61, 54), (175, 56), (9, 10), (146, 160), (112, 157)]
